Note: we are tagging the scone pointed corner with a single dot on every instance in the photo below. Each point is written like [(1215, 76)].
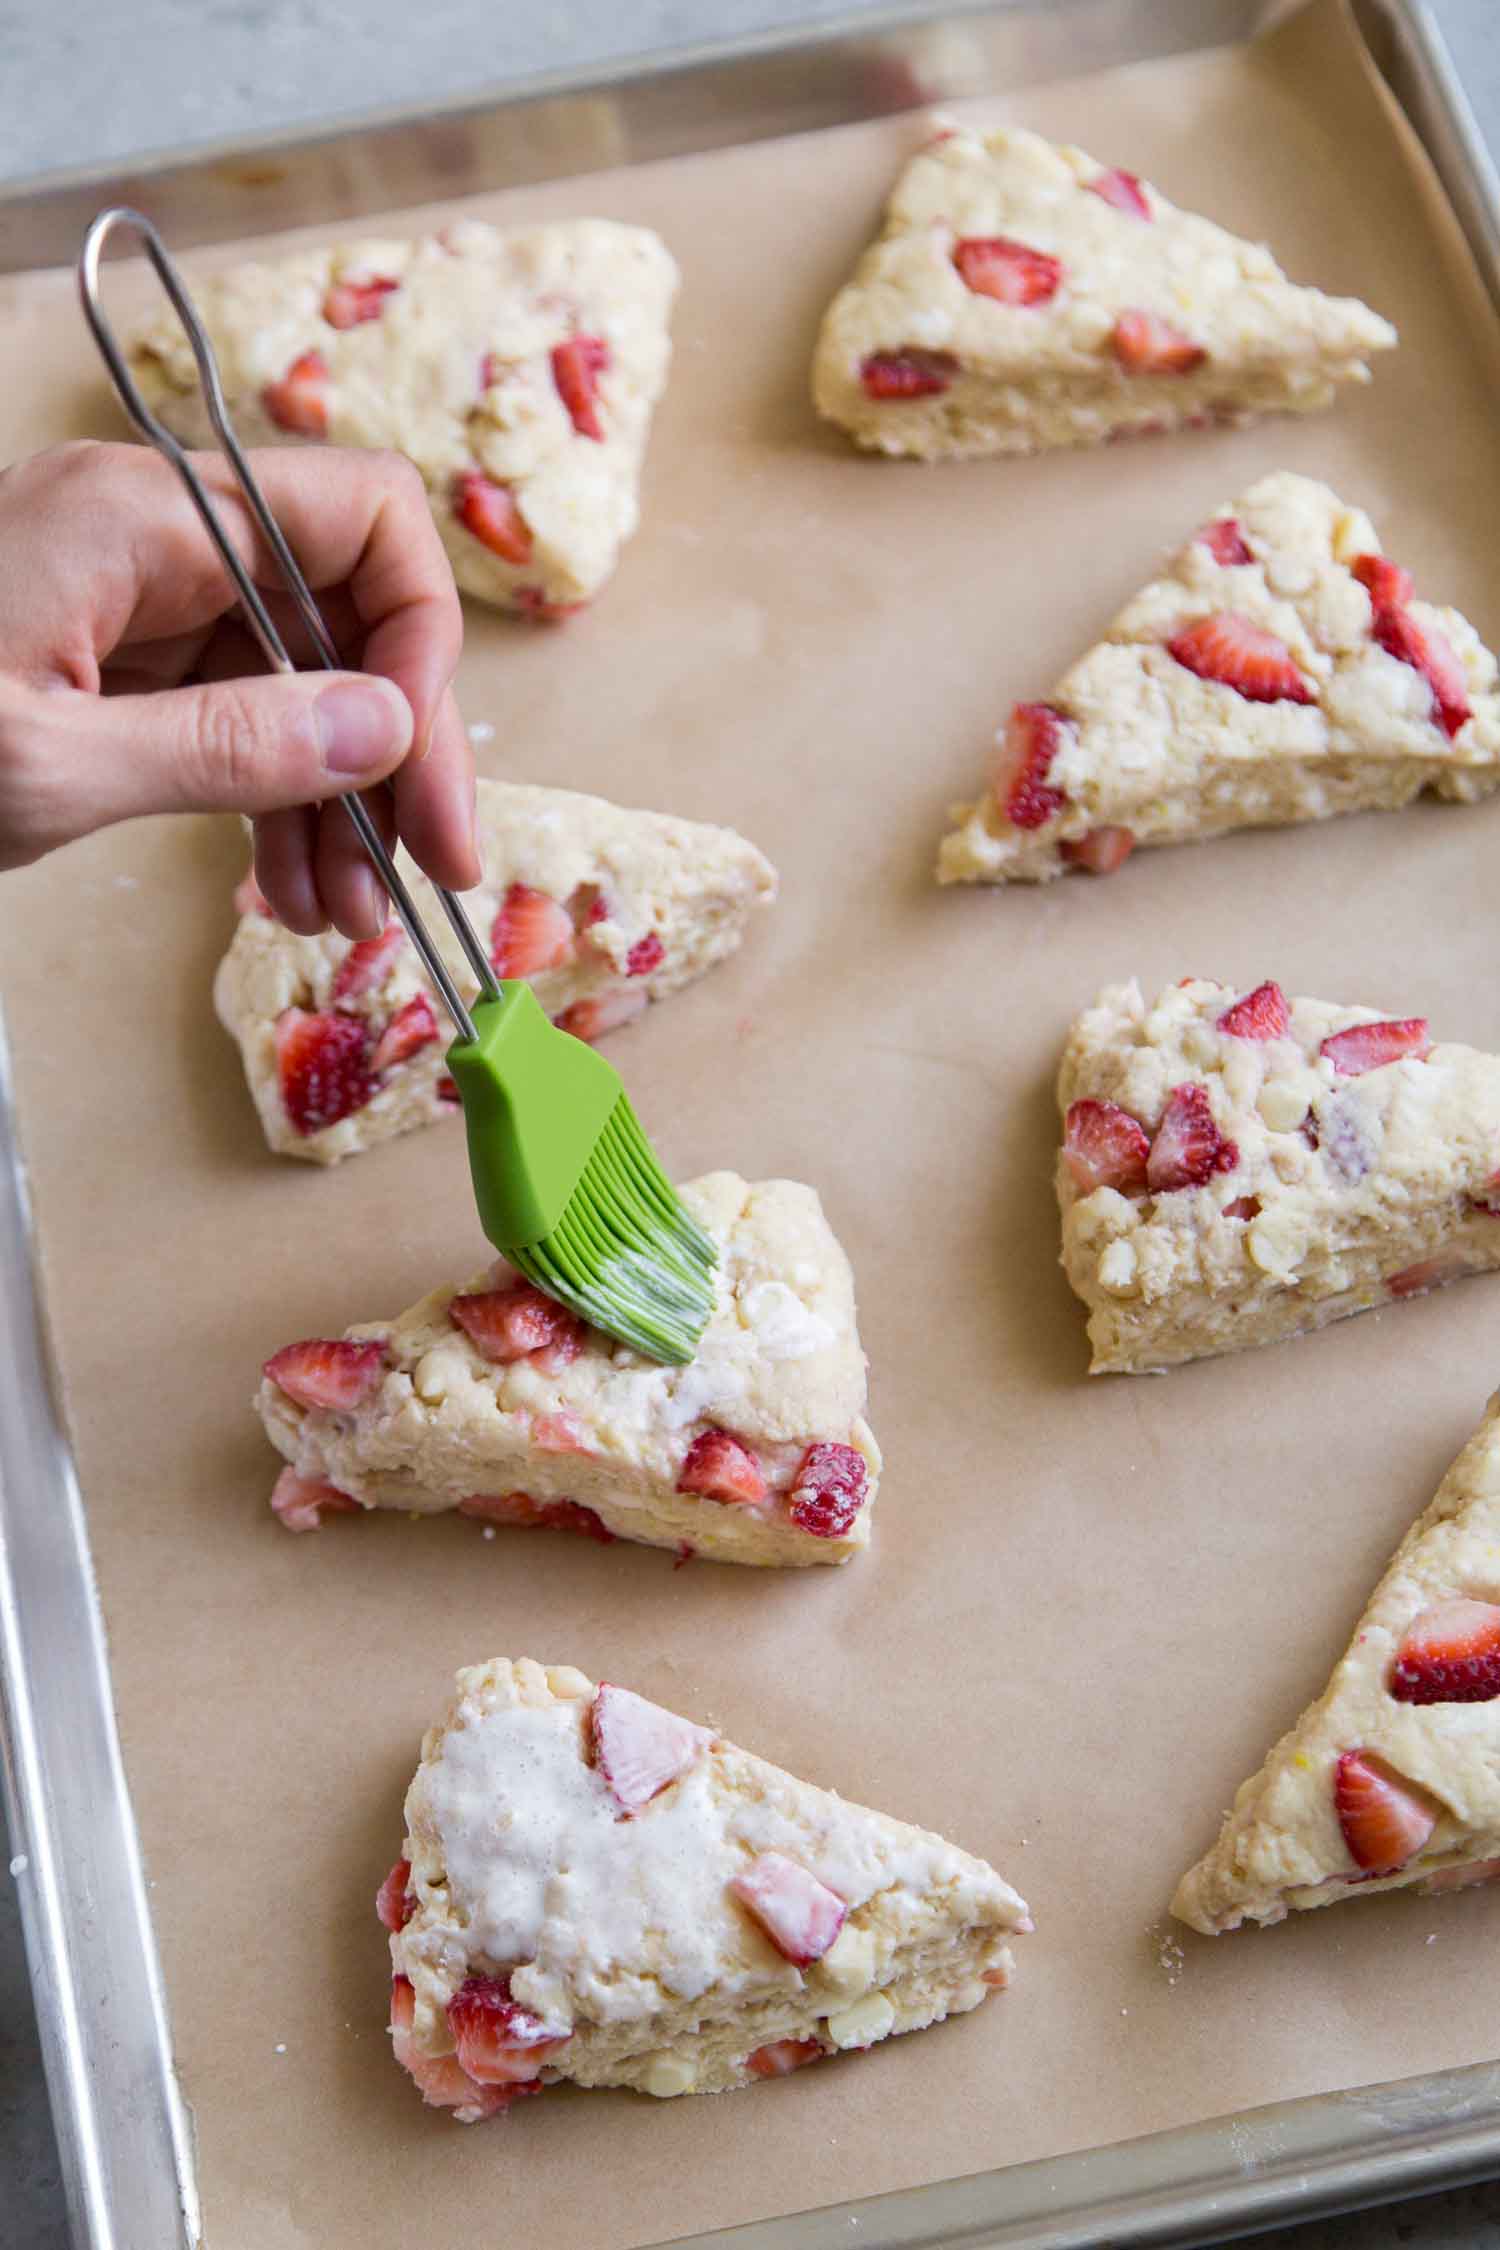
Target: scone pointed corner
[(743, 1922), (1281, 669)]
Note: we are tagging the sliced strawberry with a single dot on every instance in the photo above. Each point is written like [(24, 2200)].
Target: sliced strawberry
[(1383, 1821), (447, 1091), (1034, 734), (800, 1915), (1387, 584), (1367, 1046), (1424, 648), (1145, 344), (1429, 1273), (249, 898), (365, 964), (323, 1068), (646, 954), (1122, 190), (1229, 649), (299, 401), (910, 373), (1189, 1148), (588, 907), (499, 2042), (493, 514), (639, 1748), (1450, 1654), (443, 2080), (303, 1502), (720, 1467), (333, 1372), (1105, 1147), (992, 265), (576, 368), (605, 1011), (510, 1323), (531, 932), (780, 2057), (1225, 542), (520, 1512), (410, 1029), (828, 1490), (533, 603), (1101, 851), (561, 1432), (1262, 1014), (393, 1901), (1462, 1878), (347, 303)]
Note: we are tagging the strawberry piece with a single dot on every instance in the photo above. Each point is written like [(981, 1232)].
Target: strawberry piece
[(347, 303), (444, 2082), (992, 265), (511, 1323), (520, 1512), (1034, 734), (1462, 1878), (720, 1467), (1262, 1014), (365, 964), (303, 1502), (639, 1748), (1225, 542), (531, 932), (447, 1090), (646, 954), (606, 1011), (299, 401), (1383, 1822), (492, 513), (1145, 344), (1424, 648), (1122, 190), (780, 2057), (588, 907), (576, 368), (249, 898), (1449, 1654), (1101, 851), (533, 603), (1368, 1046), (1387, 584), (1428, 1273), (321, 1063), (910, 373), (499, 2042), (1237, 654), (1243, 1207), (322, 1371), (1189, 1148), (394, 1902), (561, 1432), (828, 1490), (1105, 1147), (800, 1915), (410, 1029)]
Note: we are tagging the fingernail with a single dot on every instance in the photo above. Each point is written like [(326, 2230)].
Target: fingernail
[(360, 726)]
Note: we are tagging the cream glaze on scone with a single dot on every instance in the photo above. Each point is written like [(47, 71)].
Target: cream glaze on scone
[(1043, 363), (1398, 1194), (453, 366), (619, 1932), (779, 1369), (652, 902), (1149, 751), (1287, 1843)]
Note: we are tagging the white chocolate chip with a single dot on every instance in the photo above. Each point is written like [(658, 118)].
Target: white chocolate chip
[(1117, 1269), (860, 2026), (666, 2075), (1277, 1241), (1354, 535), (848, 1967), (1284, 1102), (435, 1374)]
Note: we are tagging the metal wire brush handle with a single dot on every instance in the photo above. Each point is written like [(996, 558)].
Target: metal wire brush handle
[(260, 620)]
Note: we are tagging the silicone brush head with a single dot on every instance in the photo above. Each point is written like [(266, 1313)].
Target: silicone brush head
[(568, 1186)]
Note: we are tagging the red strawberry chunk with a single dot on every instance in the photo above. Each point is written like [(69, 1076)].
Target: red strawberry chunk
[(520, 1512), (910, 373), (302, 1502), (492, 513), (1429, 1273), (1010, 272), (1243, 1207), (335, 1373), (410, 1029), (576, 368), (444, 2082), (721, 1467), (1367, 1046), (1225, 542), (365, 964), (249, 898), (646, 954), (800, 1915), (1262, 1014), (1145, 344), (447, 1090), (1450, 1654), (780, 2057), (1383, 1821), (828, 1490), (531, 932), (588, 907), (299, 401), (1101, 851), (1425, 649), (605, 1011), (1034, 734), (347, 302), (639, 1748), (1229, 649), (1189, 1148), (323, 1068), (394, 1902), (1105, 1147), (533, 603), (510, 1323), (561, 1432), (1121, 189), (1388, 585), (499, 2042)]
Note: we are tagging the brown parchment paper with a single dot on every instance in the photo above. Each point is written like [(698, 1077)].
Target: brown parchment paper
[(1090, 1606)]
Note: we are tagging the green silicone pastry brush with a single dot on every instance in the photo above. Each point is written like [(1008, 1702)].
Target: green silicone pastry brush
[(568, 1187)]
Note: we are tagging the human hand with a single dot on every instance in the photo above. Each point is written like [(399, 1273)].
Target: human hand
[(130, 684)]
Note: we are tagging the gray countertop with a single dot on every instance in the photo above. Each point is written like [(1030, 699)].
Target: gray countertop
[(195, 71)]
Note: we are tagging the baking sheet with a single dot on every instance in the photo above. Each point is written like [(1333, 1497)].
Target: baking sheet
[(1089, 1607)]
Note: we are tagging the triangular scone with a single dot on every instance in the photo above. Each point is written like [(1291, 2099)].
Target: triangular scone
[(600, 907), (596, 1892), (1393, 1776), (516, 367), (1239, 1167), (1279, 671), (495, 1401), (1022, 296)]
